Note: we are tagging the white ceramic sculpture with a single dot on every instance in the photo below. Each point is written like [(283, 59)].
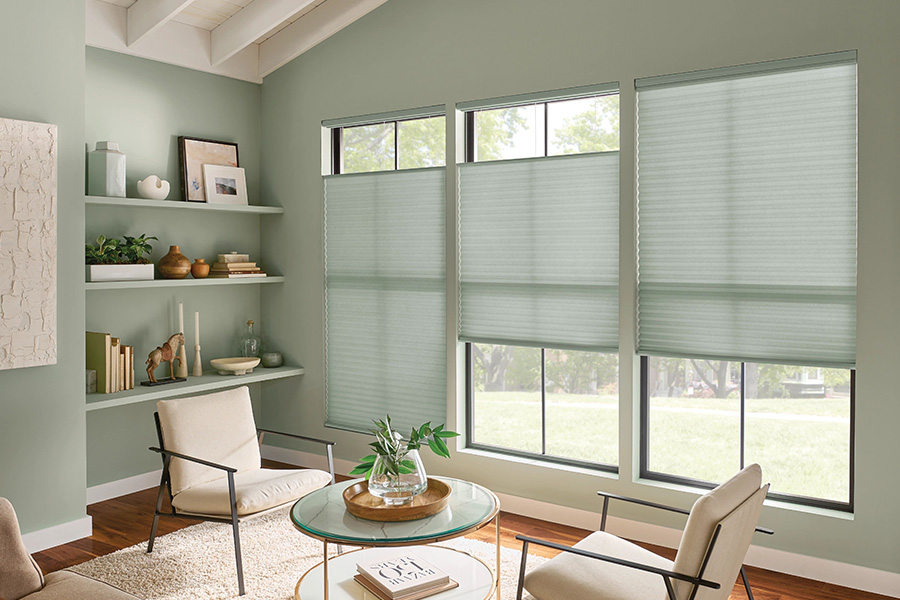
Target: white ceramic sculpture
[(153, 188)]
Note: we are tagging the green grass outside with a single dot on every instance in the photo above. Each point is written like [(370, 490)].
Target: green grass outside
[(802, 444)]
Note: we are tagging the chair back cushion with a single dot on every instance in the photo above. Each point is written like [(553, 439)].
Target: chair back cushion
[(731, 546), (706, 513), (19, 574), (215, 427)]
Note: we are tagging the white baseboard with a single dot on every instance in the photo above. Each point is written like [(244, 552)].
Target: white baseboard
[(800, 565), (58, 534), (129, 485)]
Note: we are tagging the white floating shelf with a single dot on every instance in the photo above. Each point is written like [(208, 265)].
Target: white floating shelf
[(182, 205), (174, 283), (209, 381)]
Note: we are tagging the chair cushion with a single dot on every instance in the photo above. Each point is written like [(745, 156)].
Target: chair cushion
[(567, 576), (706, 513), (215, 427), (65, 585), (255, 491), (19, 574)]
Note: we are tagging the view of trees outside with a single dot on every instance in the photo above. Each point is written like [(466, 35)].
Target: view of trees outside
[(582, 399), (797, 423)]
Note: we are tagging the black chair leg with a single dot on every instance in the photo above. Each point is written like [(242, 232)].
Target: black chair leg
[(237, 535), (159, 499), (522, 570), (746, 583)]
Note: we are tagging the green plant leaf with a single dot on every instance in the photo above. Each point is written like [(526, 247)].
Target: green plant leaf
[(445, 451), (446, 434), (360, 469)]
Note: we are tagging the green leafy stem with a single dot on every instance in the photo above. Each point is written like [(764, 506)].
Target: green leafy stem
[(392, 448)]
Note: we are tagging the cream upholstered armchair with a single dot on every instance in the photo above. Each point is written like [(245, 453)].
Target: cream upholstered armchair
[(212, 465), (710, 555), (22, 578)]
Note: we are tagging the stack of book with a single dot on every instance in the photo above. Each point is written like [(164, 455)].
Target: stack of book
[(232, 266), (112, 360), (403, 577)]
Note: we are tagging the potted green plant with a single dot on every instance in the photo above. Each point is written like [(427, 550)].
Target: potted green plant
[(395, 472), (113, 259)]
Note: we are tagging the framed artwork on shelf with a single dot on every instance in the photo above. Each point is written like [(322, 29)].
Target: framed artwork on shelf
[(193, 153), (224, 185)]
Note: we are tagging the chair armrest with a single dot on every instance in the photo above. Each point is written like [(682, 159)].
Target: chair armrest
[(607, 497), (295, 436), (666, 574), (199, 461)]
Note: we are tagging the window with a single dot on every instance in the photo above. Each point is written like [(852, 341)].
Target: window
[(703, 420), (400, 143), (385, 273), (539, 201), (746, 267), (561, 405)]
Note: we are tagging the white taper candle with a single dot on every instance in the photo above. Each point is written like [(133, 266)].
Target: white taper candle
[(180, 317), (197, 328)]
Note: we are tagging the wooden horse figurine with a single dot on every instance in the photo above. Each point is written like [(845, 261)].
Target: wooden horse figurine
[(168, 352)]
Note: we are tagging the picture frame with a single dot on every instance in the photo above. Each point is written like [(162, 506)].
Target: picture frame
[(193, 153), (225, 185)]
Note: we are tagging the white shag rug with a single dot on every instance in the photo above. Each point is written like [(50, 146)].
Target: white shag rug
[(198, 562)]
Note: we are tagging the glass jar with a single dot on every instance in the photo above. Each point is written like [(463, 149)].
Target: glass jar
[(250, 342), (394, 488)]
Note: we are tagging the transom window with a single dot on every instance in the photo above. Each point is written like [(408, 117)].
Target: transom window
[(407, 143)]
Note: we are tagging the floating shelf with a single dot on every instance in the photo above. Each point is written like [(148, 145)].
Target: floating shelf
[(189, 282), (182, 205), (209, 381)]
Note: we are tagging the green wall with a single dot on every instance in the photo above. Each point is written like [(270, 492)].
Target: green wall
[(42, 433), (412, 53), (144, 106)]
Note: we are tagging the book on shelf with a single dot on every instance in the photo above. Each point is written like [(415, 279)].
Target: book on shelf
[(235, 274), (97, 358), (234, 266), (114, 364), (403, 577), (364, 581)]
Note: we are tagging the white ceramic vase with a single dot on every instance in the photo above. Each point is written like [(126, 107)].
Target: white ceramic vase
[(153, 188)]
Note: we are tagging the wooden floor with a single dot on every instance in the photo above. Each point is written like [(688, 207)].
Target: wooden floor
[(125, 521)]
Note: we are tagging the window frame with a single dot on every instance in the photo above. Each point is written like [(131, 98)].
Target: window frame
[(645, 472), (543, 457), (336, 138)]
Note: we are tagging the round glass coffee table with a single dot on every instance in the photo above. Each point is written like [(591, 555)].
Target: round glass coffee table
[(323, 516)]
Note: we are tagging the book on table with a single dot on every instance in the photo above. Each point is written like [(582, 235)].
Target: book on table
[(403, 577)]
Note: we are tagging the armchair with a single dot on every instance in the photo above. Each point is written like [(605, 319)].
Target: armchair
[(21, 578), (604, 567), (212, 469)]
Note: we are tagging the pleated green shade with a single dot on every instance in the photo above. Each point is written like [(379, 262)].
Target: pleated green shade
[(385, 298), (539, 252), (747, 217)]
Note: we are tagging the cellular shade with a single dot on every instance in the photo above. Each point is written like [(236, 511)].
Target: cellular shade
[(385, 298), (539, 252), (747, 213)]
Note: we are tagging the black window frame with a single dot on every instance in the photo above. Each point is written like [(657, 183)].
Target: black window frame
[(469, 157), (337, 143), (646, 473), (543, 456)]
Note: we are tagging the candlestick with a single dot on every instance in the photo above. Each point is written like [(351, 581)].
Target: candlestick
[(198, 363), (181, 369), (197, 328)]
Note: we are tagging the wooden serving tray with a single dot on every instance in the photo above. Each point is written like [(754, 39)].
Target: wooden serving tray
[(362, 504)]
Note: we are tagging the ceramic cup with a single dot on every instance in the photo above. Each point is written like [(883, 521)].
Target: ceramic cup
[(272, 359)]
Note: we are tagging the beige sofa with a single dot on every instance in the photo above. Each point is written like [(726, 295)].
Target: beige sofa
[(21, 577)]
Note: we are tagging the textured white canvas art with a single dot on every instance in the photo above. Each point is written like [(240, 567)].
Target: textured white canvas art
[(27, 244)]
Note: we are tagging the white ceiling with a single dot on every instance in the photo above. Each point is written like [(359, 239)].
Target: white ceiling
[(244, 39)]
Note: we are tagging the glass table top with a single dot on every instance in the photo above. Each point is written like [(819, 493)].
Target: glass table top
[(322, 514)]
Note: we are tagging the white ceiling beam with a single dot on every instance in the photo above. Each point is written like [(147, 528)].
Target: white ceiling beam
[(174, 43), (310, 29), (146, 16), (251, 23)]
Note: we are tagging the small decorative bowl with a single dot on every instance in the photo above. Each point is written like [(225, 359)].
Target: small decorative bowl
[(234, 366), (271, 360)]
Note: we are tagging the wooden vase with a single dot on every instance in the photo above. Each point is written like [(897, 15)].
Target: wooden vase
[(174, 265), (199, 269)]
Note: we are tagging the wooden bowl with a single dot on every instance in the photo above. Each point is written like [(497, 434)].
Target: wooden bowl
[(234, 366), (362, 504)]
